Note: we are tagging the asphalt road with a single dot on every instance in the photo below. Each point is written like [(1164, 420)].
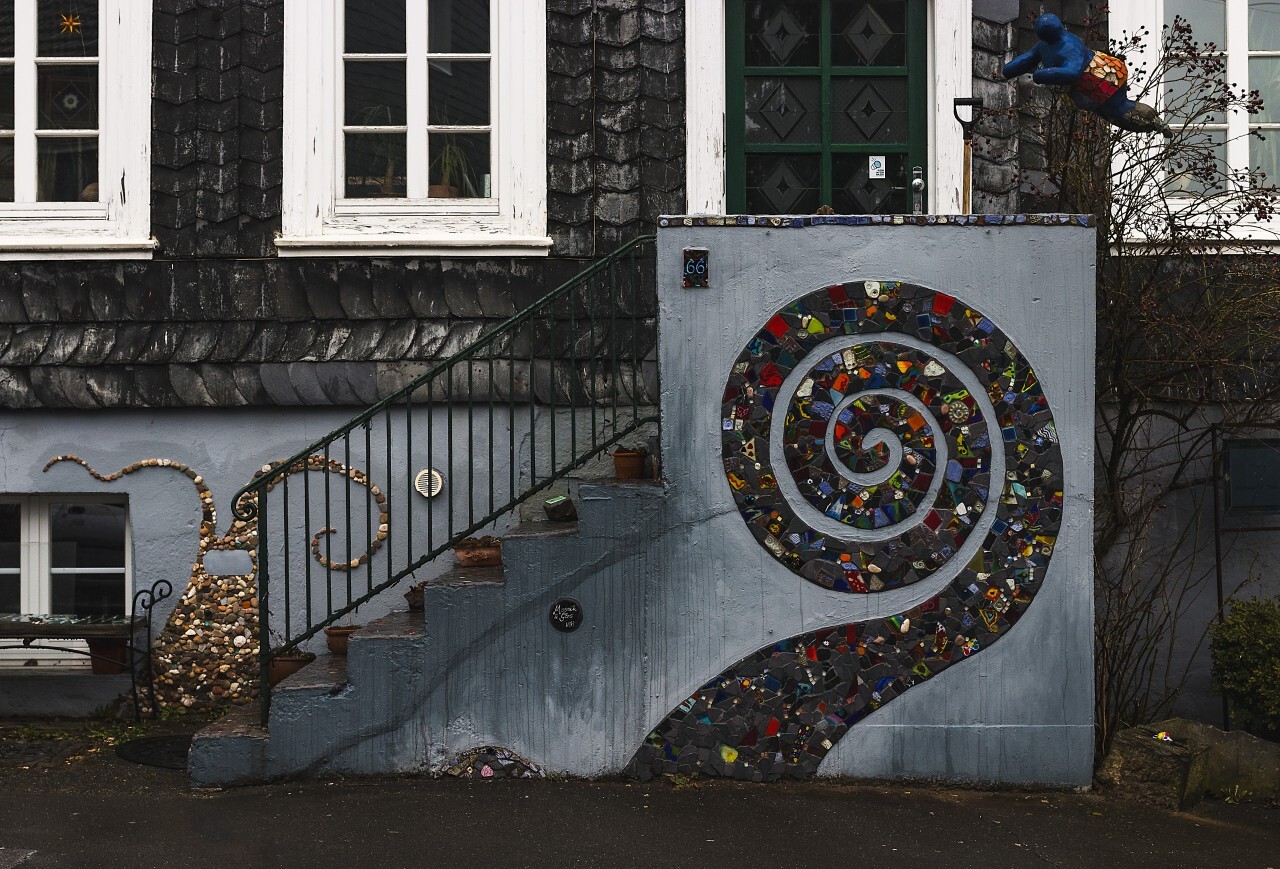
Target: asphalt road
[(99, 811)]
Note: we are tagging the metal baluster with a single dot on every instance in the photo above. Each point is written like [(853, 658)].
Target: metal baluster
[(533, 419), (306, 519), (408, 465), (471, 443), (368, 507), (262, 554), (328, 537), (448, 386), (551, 379), (346, 462), (431, 502)]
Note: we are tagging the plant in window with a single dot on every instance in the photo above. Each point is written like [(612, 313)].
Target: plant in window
[(1187, 301), (453, 167)]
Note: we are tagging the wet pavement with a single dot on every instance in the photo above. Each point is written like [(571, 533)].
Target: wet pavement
[(68, 801)]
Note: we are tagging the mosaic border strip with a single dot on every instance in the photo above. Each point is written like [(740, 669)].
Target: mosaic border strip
[(775, 221)]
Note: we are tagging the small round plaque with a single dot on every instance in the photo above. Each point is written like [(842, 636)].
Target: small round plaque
[(566, 615)]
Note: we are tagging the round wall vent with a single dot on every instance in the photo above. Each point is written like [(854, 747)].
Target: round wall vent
[(429, 482)]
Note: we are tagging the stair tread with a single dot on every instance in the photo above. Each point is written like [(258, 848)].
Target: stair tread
[(541, 528), (326, 671), (394, 625), (614, 481), (242, 720), (469, 576)]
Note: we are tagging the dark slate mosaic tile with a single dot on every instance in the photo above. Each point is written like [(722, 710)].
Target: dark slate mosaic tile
[(879, 433), (491, 762)]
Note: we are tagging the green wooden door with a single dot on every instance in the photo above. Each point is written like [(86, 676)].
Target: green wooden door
[(816, 89)]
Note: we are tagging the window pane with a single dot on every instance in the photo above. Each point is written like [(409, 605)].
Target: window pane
[(458, 26), (1189, 96), (869, 110), (375, 165), (374, 26), (459, 165), (87, 535), (783, 184), (68, 97), (6, 28), (458, 92), (1208, 18), (782, 32), (869, 33), (6, 170), (10, 535), (1264, 77), (10, 593), (783, 109), (1193, 170), (854, 191), (1264, 24), (375, 93), (1264, 154), (67, 169), (88, 594), (6, 97), (67, 28)]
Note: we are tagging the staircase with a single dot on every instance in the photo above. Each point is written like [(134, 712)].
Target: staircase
[(393, 704)]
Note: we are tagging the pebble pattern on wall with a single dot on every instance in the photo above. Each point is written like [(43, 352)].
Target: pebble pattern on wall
[(874, 433), (207, 654)]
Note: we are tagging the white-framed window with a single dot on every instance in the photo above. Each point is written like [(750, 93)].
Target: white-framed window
[(415, 127), (75, 128), (63, 554), (950, 63), (1246, 35)]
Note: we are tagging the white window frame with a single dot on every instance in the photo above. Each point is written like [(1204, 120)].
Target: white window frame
[(1133, 15), (950, 76), (36, 572), (118, 226), (317, 221)]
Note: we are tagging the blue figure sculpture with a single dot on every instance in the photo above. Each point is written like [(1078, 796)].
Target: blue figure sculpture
[(1096, 81)]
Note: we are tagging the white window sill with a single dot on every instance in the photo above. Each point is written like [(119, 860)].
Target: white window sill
[(408, 245), (61, 247)]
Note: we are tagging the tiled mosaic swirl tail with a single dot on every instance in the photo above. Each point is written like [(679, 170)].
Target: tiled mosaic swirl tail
[(875, 434)]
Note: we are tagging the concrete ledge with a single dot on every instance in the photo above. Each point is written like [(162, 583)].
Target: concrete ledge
[(42, 691)]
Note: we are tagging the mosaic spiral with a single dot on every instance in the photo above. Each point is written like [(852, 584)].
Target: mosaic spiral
[(874, 433)]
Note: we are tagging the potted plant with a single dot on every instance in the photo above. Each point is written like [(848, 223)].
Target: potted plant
[(479, 552), (454, 168), (1245, 644), (286, 662), (108, 655), (414, 597), (628, 463), (336, 637)]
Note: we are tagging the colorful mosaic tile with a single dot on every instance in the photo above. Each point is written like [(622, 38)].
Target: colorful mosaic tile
[(775, 221), (879, 435)]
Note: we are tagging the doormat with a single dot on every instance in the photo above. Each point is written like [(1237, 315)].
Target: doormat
[(168, 752)]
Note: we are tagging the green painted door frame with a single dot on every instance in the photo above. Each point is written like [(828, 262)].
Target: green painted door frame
[(825, 151)]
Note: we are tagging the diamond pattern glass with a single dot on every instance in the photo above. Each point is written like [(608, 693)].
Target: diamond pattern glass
[(853, 191), (869, 32), (784, 109), (869, 110), (783, 183), (782, 32)]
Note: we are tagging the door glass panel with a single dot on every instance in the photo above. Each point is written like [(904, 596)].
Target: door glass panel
[(783, 183), (854, 191), (869, 110), (782, 32), (67, 28), (783, 109), (6, 170), (869, 32)]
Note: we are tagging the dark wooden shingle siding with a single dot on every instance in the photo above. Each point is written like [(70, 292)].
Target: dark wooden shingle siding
[(217, 320)]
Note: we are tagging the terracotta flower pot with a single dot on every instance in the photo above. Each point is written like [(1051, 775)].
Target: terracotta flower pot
[(288, 664), (628, 464), (109, 656), (336, 637)]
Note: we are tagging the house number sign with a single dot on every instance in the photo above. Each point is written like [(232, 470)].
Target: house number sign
[(697, 268), (566, 615)]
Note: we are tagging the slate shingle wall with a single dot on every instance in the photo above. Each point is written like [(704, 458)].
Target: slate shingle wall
[(217, 320)]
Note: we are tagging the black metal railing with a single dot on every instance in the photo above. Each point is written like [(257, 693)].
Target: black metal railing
[(527, 403)]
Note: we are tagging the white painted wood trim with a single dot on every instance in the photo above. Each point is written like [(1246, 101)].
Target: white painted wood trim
[(316, 221), (119, 224), (951, 76)]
